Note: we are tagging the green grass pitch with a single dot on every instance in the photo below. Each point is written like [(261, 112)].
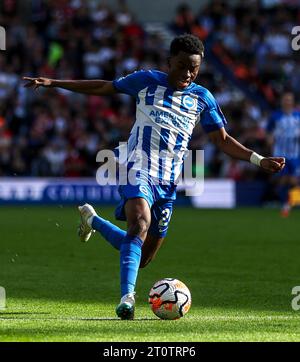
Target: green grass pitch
[(240, 266)]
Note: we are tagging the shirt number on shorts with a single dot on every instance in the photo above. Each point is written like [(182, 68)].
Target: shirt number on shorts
[(165, 218)]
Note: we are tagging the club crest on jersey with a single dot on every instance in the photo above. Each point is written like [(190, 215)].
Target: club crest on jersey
[(189, 102)]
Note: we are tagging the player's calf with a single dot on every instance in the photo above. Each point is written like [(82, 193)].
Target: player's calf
[(139, 227), (150, 248), (138, 217)]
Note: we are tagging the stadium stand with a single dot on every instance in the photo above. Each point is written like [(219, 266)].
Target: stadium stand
[(248, 64)]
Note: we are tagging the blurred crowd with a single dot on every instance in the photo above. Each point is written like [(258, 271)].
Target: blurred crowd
[(53, 132)]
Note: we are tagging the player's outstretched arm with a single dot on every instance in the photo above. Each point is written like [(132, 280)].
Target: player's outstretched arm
[(233, 148), (93, 87)]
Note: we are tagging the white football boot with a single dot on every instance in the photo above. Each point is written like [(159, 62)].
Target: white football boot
[(125, 310), (85, 230)]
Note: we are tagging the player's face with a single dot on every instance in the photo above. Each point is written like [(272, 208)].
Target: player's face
[(287, 102), (183, 69)]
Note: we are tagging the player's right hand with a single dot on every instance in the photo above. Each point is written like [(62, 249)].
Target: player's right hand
[(37, 82)]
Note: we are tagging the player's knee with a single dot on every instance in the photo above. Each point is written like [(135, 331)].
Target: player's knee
[(139, 226)]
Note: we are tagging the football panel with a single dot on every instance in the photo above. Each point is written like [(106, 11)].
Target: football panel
[(170, 298)]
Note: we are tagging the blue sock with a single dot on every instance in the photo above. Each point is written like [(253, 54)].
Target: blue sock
[(112, 233), (130, 257)]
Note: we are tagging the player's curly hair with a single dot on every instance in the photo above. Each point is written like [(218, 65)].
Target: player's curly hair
[(187, 43)]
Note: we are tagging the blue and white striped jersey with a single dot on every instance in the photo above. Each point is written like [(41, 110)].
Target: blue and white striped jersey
[(286, 131), (165, 119)]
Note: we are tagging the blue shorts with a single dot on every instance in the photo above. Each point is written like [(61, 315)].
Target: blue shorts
[(292, 168), (160, 199)]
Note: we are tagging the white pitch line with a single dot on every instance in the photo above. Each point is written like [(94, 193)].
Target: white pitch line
[(190, 319), (249, 317)]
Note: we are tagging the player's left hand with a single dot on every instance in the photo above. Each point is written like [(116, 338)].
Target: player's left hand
[(273, 164)]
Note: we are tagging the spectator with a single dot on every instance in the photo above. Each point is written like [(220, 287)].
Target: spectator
[(58, 133)]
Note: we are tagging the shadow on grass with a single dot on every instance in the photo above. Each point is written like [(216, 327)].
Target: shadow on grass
[(226, 265), (113, 319), (202, 298), (75, 319)]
